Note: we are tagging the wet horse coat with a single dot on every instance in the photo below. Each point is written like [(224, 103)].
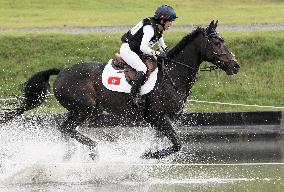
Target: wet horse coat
[(80, 90)]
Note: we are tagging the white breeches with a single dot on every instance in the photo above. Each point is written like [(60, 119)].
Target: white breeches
[(131, 58)]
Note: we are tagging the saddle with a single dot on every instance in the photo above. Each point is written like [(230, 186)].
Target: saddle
[(119, 64)]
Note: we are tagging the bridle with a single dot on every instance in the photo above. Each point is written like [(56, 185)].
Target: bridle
[(217, 57), (209, 68)]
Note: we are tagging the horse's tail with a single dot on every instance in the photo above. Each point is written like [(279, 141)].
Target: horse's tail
[(35, 91)]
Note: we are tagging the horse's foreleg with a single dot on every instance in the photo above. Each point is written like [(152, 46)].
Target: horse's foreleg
[(163, 124), (69, 128)]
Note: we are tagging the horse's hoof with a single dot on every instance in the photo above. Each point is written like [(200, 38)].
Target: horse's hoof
[(94, 153), (157, 155), (163, 153), (94, 156), (68, 155), (147, 155)]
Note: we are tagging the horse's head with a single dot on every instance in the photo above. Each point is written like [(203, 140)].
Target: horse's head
[(217, 53)]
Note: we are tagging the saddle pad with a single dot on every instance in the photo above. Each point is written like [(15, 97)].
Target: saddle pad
[(115, 80)]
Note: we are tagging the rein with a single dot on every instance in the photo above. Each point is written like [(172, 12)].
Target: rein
[(210, 68), (165, 71)]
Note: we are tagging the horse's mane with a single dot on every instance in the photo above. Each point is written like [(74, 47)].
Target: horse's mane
[(185, 40)]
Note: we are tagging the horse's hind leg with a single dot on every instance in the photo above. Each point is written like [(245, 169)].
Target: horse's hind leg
[(74, 119)]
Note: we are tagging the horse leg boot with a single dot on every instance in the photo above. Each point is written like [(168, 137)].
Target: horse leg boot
[(135, 89), (164, 125)]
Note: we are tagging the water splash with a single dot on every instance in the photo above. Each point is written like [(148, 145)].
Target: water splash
[(33, 153)]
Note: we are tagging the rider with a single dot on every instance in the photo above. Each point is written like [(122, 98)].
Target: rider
[(140, 38)]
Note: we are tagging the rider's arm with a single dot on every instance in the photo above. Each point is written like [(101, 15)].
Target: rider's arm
[(148, 34)]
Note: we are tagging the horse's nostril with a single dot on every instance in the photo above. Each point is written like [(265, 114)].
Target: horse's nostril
[(236, 66)]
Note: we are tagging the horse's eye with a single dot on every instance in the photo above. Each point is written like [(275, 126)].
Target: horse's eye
[(216, 42)]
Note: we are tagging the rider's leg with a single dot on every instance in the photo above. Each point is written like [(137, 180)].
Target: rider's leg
[(132, 59)]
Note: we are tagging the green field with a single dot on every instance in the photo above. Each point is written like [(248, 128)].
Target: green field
[(260, 80), (220, 178), (74, 13)]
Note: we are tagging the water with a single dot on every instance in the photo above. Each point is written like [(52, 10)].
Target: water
[(35, 157)]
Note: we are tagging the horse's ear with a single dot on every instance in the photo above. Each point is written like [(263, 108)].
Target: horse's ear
[(216, 24), (211, 25), (210, 28)]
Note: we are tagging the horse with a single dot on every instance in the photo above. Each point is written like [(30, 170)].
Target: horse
[(80, 90)]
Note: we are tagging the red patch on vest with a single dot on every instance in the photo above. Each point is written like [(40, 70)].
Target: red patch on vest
[(114, 80)]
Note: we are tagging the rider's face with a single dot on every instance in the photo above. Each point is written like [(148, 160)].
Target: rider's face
[(168, 24)]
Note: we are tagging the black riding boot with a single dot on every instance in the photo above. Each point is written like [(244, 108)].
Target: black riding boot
[(136, 86)]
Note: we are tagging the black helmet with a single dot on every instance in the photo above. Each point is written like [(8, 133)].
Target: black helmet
[(165, 13)]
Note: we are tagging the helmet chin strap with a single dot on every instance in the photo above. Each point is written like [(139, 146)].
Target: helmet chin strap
[(163, 25)]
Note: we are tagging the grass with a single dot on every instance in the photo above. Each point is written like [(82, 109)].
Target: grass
[(260, 80), (240, 178), (74, 13)]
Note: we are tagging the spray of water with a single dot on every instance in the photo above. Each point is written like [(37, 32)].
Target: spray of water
[(38, 153)]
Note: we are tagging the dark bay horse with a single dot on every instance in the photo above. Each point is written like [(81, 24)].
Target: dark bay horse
[(80, 90)]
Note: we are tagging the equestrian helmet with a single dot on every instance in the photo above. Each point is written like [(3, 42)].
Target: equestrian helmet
[(165, 13)]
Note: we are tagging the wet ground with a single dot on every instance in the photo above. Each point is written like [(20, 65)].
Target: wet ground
[(35, 157), (156, 177)]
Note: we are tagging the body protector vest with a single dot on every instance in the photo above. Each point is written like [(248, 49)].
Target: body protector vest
[(134, 36)]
